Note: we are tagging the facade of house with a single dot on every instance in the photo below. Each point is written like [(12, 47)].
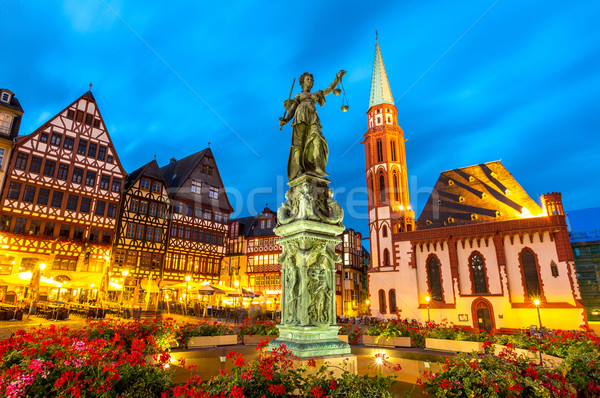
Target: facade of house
[(199, 219), (62, 192), (141, 236), (481, 252)]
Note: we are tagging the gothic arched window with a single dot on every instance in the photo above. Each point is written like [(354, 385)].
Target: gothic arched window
[(384, 232), (435, 279), (392, 294), (531, 276), (381, 188), (382, 308), (379, 151), (396, 188), (386, 257), (478, 273)]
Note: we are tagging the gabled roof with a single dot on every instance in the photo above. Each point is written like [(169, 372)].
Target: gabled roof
[(250, 227), (482, 193), (380, 86), (150, 169), (177, 173)]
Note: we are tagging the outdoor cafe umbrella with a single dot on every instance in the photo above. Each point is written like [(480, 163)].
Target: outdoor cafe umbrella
[(24, 279)]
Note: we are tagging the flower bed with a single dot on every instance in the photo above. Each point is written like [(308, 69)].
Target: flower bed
[(488, 375), (60, 362), (188, 334), (274, 375), (384, 332)]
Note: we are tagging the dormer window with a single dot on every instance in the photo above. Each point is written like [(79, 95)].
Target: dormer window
[(5, 97), (5, 123)]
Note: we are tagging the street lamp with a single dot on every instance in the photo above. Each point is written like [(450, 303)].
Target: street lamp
[(428, 299), (537, 306)]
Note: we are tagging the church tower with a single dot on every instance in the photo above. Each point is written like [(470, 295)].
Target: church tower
[(387, 183)]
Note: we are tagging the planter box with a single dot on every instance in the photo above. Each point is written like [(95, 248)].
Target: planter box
[(255, 339), (343, 337), (453, 345), (212, 341), (519, 351), (377, 341)]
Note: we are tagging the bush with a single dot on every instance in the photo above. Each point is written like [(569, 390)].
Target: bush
[(487, 375), (274, 375)]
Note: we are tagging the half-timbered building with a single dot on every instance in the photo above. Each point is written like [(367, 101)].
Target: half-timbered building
[(253, 258), (141, 237), (10, 121), (483, 254), (63, 188), (199, 219)]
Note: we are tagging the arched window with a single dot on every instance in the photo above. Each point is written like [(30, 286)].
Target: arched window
[(384, 232), (396, 189), (530, 273), (392, 294), (435, 279), (382, 308), (381, 188), (379, 151), (478, 273), (386, 257)]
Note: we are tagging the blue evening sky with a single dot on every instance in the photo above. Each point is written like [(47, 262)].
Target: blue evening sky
[(473, 81)]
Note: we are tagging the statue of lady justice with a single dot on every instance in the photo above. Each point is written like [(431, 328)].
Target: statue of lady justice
[(309, 150)]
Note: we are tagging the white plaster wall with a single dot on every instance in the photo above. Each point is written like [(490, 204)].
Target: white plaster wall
[(444, 256), (556, 289)]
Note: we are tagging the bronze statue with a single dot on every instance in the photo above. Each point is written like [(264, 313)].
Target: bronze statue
[(309, 150)]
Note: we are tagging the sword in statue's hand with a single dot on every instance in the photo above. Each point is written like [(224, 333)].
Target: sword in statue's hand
[(286, 108)]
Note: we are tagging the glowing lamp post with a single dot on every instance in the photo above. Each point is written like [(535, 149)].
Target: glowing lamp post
[(537, 306), (428, 299)]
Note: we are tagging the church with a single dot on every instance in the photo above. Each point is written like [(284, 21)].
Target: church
[(482, 253)]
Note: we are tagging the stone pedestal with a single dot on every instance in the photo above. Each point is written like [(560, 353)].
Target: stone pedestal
[(338, 364), (309, 223)]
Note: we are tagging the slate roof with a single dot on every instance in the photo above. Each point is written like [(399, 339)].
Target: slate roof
[(476, 194), (14, 102), (250, 226), (177, 173), (150, 169)]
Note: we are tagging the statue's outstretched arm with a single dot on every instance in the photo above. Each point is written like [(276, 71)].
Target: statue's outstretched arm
[(335, 82)]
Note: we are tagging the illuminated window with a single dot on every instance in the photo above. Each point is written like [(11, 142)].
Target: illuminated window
[(5, 123), (530, 273)]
